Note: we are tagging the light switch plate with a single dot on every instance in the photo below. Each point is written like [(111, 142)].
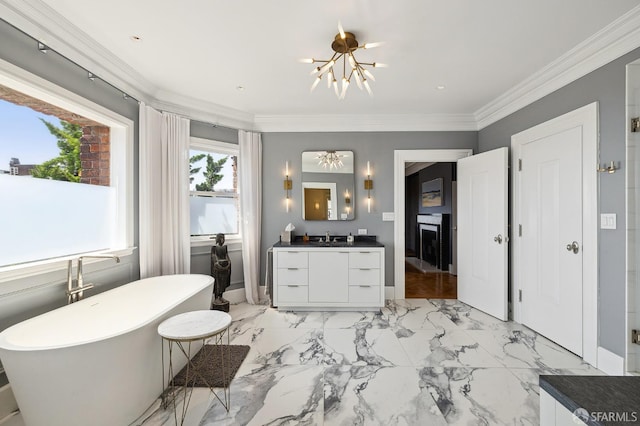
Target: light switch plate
[(607, 221), (388, 216), (362, 231)]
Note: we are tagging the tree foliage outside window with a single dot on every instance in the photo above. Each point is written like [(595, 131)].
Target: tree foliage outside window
[(195, 170), (212, 173), (214, 203), (66, 166)]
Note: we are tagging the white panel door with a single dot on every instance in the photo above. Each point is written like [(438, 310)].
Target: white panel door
[(483, 232), (551, 214)]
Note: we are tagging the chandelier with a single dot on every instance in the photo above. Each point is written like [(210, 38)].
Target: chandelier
[(330, 159), (344, 46)]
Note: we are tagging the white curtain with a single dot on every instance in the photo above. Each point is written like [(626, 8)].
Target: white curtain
[(250, 186), (164, 194)]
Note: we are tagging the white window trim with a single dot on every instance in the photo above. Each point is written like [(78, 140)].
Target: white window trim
[(222, 148), (121, 136)]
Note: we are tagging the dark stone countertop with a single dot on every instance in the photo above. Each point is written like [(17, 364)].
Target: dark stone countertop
[(336, 241), (609, 400)]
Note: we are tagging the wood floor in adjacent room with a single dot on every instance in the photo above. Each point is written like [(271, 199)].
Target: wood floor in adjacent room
[(430, 285)]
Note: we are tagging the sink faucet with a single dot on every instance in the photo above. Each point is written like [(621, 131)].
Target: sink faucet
[(75, 293), (327, 237)]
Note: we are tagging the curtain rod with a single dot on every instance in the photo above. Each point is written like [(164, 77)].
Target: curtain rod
[(90, 75)]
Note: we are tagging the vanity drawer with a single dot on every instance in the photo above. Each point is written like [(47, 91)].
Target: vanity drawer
[(364, 259), (293, 294), (293, 259), (364, 276), (365, 295), (297, 276)]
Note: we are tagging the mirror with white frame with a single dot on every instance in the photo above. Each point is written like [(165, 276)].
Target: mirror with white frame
[(327, 185)]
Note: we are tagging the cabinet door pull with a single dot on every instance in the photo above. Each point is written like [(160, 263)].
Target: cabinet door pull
[(343, 252), (292, 269), (292, 285), (365, 252), (365, 269), (292, 252), (366, 286)]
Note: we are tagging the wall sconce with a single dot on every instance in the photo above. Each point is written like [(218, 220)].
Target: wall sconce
[(611, 168), (368, 185), (287, 186), (347, 201)]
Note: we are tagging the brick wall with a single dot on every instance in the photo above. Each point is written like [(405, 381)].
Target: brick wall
[(94, 145), (95, 155)]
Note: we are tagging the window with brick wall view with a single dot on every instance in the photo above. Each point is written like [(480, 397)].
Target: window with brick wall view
[(213, 185), (55, 176)]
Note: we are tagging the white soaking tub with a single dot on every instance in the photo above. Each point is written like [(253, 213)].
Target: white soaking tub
[(98, 361)]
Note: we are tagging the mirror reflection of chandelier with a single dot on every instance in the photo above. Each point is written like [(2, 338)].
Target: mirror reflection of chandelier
[(330, 159)]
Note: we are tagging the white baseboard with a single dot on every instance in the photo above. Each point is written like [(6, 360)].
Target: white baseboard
[(610, 363), (389, 293)]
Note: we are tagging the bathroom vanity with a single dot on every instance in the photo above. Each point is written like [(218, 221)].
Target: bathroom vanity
[(590, 400), (328, 276)]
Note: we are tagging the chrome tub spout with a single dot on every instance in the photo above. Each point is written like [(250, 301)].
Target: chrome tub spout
[(76, 288)]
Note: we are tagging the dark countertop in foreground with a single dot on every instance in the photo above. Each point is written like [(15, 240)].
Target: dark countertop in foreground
[(610, 400), (360, 241)]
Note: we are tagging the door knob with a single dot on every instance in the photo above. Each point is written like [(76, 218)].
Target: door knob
[(574, 247), (498, 238)]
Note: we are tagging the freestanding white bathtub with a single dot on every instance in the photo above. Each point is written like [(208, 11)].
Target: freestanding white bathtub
[(98, 361)]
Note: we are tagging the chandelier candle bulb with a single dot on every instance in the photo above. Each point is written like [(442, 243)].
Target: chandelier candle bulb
[(344, 46)]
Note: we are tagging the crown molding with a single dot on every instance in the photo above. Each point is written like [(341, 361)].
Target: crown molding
[(206, 112), (608, 44), (365, 123), (46, 25)]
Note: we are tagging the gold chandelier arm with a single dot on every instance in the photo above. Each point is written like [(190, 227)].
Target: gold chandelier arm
[(333, 58)]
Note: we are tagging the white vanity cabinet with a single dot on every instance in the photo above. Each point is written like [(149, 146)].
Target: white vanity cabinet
[(331, 278)]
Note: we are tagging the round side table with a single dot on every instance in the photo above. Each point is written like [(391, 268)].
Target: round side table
[(183, 329)]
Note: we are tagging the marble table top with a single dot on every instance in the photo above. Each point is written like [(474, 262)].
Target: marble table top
[(194, 325)]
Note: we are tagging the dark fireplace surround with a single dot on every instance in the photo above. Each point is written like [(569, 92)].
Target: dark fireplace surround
[(434, 240)]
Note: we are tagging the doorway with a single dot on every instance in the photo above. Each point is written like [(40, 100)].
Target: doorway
[(430, 230), (401, 157)]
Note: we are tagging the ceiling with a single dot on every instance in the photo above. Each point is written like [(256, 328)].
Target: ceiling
[(198, 52)]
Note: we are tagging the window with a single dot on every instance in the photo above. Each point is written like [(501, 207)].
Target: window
[(213, 187), (82, 201)]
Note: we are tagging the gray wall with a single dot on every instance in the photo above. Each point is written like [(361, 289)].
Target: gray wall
[(47, 291), (607, 86), (376, 147)]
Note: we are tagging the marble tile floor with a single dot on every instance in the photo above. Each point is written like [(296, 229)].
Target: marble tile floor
[(417, 362)]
